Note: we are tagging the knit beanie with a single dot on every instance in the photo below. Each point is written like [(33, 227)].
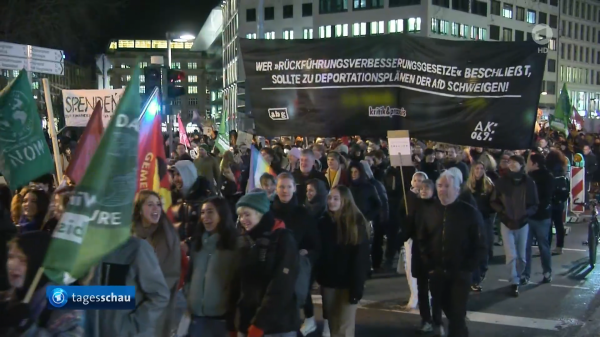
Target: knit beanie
[(258, 201), (295, 152), (188, 174)]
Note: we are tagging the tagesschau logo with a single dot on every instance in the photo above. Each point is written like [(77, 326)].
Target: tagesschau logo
[(386, 111), (91, 297)]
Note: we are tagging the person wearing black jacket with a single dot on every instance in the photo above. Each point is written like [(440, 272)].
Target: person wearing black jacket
[(7, 231), (482, 188), (380, 220), (515, 199), (430, 165), (364, 193), (393, 187), (304, 227), (306, 172), (451, 251), (268, 271), (342, 266), (540, 223), (591, 166), (428, 211), (453, 160)]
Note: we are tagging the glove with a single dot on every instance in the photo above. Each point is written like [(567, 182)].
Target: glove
[(253, 331), (17, 316)]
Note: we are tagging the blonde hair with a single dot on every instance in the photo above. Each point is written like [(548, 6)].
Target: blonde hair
[(348, 218), (488, 185), (16, 205)]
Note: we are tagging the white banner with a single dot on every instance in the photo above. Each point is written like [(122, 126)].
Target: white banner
[(79, 105)]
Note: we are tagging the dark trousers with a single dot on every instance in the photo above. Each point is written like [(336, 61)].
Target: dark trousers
[(377, 245), (427, 310), (393, 239), (487, 234), (557, 221), (309, 308), (453, 293)]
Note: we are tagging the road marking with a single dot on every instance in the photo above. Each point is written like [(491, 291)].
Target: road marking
[(484, 317), (575, 250), (553, 285)]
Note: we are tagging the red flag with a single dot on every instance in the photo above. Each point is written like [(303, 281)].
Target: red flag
[(87, 145), (152, 162), (183, 137)]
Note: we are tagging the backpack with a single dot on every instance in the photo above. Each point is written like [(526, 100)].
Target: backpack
[(302, 286), (562, 190)]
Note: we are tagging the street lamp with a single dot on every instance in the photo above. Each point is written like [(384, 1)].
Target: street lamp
[(182, 38)]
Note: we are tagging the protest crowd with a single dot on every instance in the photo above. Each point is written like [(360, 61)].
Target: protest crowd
[(326, 214), (233, 234)]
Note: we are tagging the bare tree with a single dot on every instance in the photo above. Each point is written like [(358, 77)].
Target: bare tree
[(63, 24)]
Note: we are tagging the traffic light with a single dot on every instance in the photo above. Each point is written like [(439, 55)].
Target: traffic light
[(152, 78), (175, 78)]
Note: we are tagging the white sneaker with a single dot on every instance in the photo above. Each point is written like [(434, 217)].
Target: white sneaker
[(438, 331), (309, 325), (326, 332)]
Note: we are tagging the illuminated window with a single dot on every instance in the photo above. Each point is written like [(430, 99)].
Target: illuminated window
[(142, 78), (143, 64), (359, 29), (188, 45), (193, 101), (113, 45), (192, 89), (126, 43), (307, 33), (35, 85), (455, 28), (322, 32), (434, 25), (482, 34), (125, 78), (192, 65), (377, 27), (251, 36), (175, 65), (396, 26), (143, 44), (270, 35), (159, 44), (177, 45), (192, 78), (328, 31), (444, 27), (288, 34), (213, 96), (507, 11), (142, 89), (414, 25), (124, 66)]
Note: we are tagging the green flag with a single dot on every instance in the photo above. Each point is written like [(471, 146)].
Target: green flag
[(24, 153), (98, 217), (223, 137), (560, 120)]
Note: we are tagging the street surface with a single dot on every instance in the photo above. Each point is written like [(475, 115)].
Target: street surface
[(568, 307)]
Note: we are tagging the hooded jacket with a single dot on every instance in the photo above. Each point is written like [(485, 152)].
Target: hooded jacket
[(317, 206), (365, 194), (133, 264), (515, 199), (268, 272), (544, 182), (41, 320), (384, 212), (301, 180)]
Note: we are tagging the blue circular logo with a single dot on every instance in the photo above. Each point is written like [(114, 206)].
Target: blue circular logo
[(58, 298)]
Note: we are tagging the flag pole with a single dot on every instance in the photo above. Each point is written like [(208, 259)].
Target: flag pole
[(36, 280), (52, 129)]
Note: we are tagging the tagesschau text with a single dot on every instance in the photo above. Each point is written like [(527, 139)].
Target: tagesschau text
[(90, 297)]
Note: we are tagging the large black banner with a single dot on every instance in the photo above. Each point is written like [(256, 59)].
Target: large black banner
[(473, 93)]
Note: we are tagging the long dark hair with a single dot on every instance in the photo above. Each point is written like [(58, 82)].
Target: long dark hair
[(42, 202), (225, 228)]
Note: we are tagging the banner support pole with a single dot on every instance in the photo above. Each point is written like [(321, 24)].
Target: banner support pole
[(52, 130), (36, 280)]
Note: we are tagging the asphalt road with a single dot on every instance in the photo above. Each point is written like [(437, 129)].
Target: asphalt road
[(568, 307)]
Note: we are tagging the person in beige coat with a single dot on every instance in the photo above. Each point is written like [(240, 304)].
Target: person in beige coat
[(150, 223)]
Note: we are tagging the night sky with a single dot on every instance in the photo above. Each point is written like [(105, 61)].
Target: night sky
[(153, 18)]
